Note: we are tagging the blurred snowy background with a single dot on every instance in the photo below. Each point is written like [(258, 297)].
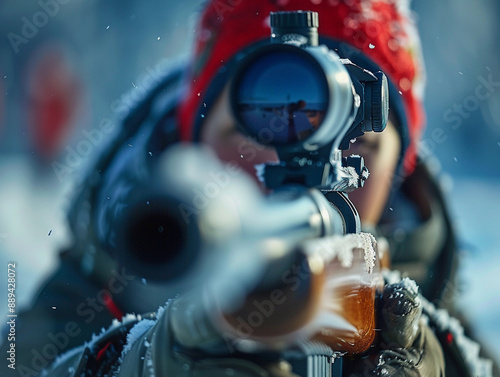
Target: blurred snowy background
[(89, 53)]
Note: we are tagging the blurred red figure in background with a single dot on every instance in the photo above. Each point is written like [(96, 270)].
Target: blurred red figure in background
[(53, 94)]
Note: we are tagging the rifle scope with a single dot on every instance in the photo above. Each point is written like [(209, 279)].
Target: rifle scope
[(293, 92), (302, 98)]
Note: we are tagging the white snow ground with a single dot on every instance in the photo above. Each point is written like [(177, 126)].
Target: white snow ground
[(32, 226), (32, 206)]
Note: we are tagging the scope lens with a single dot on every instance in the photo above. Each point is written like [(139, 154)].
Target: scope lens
[(281, 97)]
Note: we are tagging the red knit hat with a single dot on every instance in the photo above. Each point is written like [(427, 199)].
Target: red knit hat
[(383, 30)]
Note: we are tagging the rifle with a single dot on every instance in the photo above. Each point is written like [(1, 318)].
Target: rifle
[(201, 227)]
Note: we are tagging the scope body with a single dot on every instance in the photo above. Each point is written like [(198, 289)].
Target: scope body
[(306, 102)]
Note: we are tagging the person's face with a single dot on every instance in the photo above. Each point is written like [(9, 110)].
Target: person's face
[(380, 151), (220, 133)]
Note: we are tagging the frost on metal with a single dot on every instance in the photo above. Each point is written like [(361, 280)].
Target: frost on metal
[(136, 332), (342, 248), (410, 285), (365, 174), (141, 328), (353, 176), (260, 170), (348, 179), (62, 359), (114, 324)]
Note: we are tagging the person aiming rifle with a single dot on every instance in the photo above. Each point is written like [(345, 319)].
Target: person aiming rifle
[(206, 104)]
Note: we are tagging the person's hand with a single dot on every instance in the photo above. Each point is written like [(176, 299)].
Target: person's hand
[(406, 346)]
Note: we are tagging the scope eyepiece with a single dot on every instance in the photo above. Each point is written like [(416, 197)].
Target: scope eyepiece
[(376, 120)]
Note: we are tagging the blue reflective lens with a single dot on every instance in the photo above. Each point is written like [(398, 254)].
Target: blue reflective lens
[(281, 97)]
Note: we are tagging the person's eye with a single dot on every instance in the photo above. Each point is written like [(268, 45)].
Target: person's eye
[(366, 144)]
